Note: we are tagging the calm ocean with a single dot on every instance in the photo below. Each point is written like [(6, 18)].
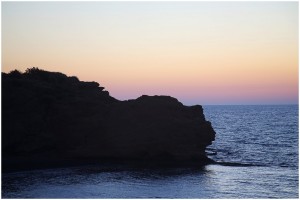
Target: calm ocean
[(256, 148)]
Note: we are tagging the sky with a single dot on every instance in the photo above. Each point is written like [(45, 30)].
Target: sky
[(198, 52)]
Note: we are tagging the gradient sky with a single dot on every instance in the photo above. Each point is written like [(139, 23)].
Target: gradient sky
[(199, 52)]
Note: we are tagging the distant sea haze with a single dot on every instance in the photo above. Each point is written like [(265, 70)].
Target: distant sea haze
[(256, 150)]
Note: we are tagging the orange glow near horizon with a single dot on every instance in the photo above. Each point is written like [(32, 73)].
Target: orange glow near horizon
[(198, 52)]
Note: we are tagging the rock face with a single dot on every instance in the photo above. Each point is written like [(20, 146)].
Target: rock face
[(50, 116)]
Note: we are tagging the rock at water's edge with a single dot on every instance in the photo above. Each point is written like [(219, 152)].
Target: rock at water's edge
[(52, 116)]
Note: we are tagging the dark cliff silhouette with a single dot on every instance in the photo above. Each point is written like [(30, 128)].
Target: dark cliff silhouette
[(48, 117)]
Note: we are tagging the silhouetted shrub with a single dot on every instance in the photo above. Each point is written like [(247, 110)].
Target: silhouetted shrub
[(15, 74), (33, 70), (50, 77)]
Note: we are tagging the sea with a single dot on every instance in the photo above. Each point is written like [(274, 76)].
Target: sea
[(256, 154)]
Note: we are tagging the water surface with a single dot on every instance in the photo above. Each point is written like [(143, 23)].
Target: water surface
[(256, 148)]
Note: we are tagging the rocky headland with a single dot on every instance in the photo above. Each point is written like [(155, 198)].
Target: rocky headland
[(50, 118)]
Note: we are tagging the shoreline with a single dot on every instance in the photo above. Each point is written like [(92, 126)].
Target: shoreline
[(28, 164)]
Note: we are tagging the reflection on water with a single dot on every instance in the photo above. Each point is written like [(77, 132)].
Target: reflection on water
[(95, 181), (211, 181)]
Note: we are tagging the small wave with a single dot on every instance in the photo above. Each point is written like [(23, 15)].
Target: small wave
[(236, 164)]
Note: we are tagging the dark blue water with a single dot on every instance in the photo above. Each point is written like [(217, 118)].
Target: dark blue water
[(256, 146)]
